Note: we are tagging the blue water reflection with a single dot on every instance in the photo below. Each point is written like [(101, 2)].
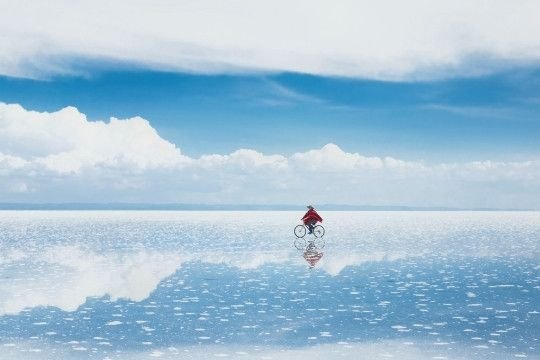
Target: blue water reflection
[(235, 298)]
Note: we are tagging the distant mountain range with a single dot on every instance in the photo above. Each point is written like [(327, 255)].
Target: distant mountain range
[(231, 207)]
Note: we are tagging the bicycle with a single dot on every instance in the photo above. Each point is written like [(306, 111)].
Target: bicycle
[(301, 230)]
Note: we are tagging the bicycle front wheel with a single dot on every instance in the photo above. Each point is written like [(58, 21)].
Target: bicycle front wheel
[(318, 231), (300, 231)]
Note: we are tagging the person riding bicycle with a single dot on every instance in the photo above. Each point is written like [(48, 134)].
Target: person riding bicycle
[(311, 218)]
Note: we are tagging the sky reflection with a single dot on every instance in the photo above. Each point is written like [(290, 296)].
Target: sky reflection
[(88, 296)]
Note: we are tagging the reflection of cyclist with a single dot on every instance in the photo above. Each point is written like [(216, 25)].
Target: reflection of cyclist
[(312, 256), (311, 218)]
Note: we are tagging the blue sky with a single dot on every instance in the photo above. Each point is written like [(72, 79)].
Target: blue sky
[(358, 103), (488, 117)]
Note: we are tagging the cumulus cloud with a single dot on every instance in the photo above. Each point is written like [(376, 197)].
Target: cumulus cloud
[(65, 141), (63, 156), (383, 40), (11, 162), (332, 158), (244, 159)]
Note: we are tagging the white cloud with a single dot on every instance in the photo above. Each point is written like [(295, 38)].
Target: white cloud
[(244, 159), (65, 141), (62, 156), (332, 158), (11, 162), (382, 40)]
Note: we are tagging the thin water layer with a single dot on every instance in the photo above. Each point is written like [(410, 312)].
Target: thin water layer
[(199, 285)]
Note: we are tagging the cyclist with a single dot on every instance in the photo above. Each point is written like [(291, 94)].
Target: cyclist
[(311, 218)]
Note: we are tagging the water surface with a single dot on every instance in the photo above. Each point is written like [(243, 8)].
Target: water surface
[(200, 285)]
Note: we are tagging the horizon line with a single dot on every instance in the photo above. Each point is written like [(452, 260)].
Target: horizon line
[(233, 207)]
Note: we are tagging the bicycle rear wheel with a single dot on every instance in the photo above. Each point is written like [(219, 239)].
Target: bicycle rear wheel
[(300, 231), (318, 231)]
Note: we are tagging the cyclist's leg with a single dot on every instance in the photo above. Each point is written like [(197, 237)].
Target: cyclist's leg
[(311, 226), (306, 224)]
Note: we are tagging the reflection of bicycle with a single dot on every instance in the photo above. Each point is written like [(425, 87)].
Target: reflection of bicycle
[(304, 244), (301, 230)]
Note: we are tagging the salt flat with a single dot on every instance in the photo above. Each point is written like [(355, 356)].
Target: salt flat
[(135, 284)]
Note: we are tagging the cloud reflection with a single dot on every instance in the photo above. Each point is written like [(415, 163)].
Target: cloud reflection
[(65, 276)]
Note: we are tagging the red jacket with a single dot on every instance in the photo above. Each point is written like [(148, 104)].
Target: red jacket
[(311, 215)]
